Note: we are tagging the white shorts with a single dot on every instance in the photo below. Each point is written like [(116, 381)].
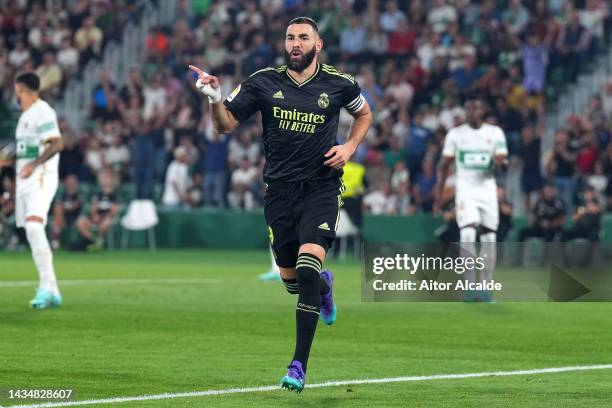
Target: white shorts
[(478, 211), (34, 201)]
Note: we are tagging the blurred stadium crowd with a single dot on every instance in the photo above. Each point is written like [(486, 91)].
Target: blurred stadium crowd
[(416, 61)]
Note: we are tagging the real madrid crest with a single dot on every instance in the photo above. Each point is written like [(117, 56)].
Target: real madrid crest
[(323, 101)]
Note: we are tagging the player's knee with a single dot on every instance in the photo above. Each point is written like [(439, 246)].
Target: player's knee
[(308, 267), (468, 234), (35, 233), (316, 250)]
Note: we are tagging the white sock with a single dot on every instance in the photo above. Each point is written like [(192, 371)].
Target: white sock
[(488, 251), (43, 257), (468, 247), (274, 265)]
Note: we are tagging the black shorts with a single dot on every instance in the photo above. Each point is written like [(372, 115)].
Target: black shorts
[(301, 213)]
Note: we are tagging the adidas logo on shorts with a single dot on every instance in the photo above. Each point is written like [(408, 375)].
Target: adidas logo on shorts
[(324, 226)]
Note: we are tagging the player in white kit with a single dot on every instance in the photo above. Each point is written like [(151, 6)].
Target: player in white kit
[(37, 146), (476, 148)]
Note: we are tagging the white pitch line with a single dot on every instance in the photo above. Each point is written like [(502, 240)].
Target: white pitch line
[(86, 282), (165, 396)]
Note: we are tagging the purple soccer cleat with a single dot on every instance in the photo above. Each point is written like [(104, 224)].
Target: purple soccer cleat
[(328, 307), (295, 378)]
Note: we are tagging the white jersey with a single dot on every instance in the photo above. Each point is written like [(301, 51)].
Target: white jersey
[(36, 126), (474, 151)]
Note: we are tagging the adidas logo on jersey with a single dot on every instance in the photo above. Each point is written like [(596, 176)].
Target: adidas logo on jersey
[(279, 95), (324, 226)]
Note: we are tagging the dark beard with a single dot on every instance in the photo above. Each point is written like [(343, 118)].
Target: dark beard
[(299, 66)]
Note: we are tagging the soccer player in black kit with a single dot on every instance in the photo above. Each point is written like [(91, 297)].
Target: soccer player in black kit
[(299, 104)]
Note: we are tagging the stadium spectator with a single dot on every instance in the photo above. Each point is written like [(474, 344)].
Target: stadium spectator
[(68, 57), (215, 168), (243, 184), (535, 62), (19, 55), (587, 218), (66, 210), (117, 156), (60, 32), (133, 87), (596, 114), (176, 190), (94, 158), (598, 181), (466, 77), (546, 221), (424, 187), (400, 175), (95, 226), (460, 52), (515, 17), (242, 146), (505, 215), (353, 38), (38, 32), (511, 121), (216, 55), (404, 199), (588, 154), (392, 16), (573, 43), (104, 101), (155, 97), (260, 54), (606, 97), (8, 230), (399, 90), (441, 15), (449, 231), (88, 40), (143, 159), (376, 44), (355, 187), (451, 114), (196, 190), (158, 43), (50, 75), (560, 167), (529, 156), (402, 41), (381, 201), (593, 18)]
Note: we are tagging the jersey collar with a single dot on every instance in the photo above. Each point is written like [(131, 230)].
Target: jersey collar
[(299, 84)]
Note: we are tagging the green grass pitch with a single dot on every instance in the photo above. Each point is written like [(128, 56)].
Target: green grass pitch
[(133, 332)]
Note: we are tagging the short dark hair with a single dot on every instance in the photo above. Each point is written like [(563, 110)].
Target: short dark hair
[(28, 79), (305, 20)]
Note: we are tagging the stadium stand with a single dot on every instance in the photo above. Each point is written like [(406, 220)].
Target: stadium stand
[(117, 71)]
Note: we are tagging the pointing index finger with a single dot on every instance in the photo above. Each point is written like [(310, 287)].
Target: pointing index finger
[(197, 70)]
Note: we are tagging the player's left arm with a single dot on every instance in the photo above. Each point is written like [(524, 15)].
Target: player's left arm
[(339, 155), (8, 155), (501, 151)]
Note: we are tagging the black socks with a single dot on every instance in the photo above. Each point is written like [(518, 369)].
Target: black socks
[(309, 301)]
